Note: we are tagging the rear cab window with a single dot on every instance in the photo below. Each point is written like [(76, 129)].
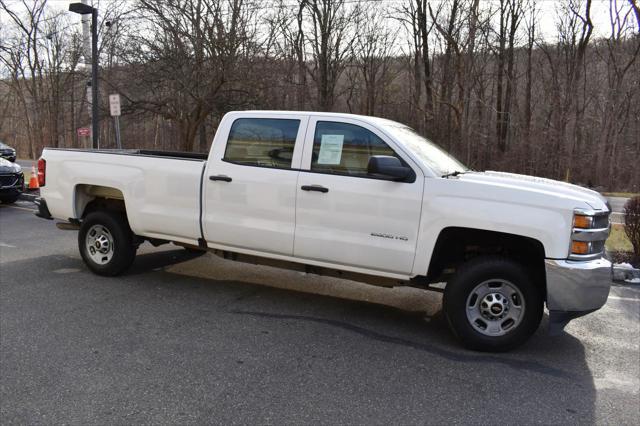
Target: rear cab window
[(262, 142)]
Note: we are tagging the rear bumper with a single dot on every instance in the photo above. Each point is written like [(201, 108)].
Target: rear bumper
[(43, 210), (575, 288)]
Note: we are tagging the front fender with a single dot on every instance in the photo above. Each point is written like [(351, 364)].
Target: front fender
[(450, 203)]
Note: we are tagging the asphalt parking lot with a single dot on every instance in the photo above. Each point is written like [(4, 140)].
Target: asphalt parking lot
[(184, 339)]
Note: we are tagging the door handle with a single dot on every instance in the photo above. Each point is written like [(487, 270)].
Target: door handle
[(220, 177), (317, 188)]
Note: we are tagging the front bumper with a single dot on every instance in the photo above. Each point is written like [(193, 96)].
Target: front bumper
[(575, 288), (11, 184)]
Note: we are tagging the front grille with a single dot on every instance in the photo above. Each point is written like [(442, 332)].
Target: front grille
[(601, 221), (597, 246), (8, 180)]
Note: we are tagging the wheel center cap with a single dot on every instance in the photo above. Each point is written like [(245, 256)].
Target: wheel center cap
[(97, 244), (496, 308)]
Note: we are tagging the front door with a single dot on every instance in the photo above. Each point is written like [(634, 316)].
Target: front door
[(345, 216), (249, 189)]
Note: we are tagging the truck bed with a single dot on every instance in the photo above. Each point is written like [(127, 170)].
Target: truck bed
[(196, 156), (161, 189)]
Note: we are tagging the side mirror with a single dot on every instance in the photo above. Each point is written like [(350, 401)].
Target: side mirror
[(386, 166)]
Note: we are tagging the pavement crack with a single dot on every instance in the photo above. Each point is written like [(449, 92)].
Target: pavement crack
[(530, 366)]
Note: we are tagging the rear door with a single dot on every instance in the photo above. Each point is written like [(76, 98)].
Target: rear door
[(345, 216), (249, 186)]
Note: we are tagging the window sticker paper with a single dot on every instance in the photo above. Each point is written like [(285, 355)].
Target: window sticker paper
[(330, 149)]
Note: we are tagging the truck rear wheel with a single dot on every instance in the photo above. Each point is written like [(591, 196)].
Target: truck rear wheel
[(106, 243), (492, 304)]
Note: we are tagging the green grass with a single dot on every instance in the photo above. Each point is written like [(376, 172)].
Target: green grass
[(621, 194), (618, 240)]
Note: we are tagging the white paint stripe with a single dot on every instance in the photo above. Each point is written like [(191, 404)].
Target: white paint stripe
[(66, 270), (6, 245), (631, 299)]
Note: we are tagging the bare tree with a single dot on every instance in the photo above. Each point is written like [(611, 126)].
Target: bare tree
[(528, 107), (372, 52), (449, 106), (511, 13), (40, 60), (291, 46), (620, 97), (425, 27), (407, 14), (581, 24), (636, 11), (186, 58), (329, 39)]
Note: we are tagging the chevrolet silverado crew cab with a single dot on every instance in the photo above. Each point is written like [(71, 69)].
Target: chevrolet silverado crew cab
[(356, 197)]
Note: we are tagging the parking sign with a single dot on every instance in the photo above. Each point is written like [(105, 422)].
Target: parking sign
[(114, 105)]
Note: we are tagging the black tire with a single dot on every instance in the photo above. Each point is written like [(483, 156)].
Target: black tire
[(9, 199), (124, 250), (475, 273)]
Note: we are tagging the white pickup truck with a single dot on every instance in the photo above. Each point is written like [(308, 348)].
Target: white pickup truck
[(356, 197)]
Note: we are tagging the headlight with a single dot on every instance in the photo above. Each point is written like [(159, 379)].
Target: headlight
[(582, 221), (589, 233)]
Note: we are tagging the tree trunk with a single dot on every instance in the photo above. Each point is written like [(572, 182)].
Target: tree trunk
[(500, 76)]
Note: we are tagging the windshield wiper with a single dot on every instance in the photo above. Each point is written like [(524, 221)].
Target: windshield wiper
[(456, 173)]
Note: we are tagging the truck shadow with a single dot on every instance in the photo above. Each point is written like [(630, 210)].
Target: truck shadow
[(547, 380), (147, 262)]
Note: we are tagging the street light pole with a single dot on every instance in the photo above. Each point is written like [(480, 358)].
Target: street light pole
[(94, 78), (85, 9)]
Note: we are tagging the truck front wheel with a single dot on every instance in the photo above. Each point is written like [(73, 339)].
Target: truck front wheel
[(106, 243), (492, 304)]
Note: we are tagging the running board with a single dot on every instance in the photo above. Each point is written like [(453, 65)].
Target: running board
[(310, 269), (68, 226)]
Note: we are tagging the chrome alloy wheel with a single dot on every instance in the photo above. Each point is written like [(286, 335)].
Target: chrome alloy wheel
[(99, 244), (495, 307)]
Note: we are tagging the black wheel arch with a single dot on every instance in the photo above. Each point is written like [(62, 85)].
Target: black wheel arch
[(457, 245)]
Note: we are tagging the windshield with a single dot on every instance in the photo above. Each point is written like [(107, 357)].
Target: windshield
[(3, 146), (440, 161)]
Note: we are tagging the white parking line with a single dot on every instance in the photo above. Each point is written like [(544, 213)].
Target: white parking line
[(630, 299)]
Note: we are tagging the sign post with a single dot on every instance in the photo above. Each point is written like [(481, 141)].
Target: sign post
[(114, 109)]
